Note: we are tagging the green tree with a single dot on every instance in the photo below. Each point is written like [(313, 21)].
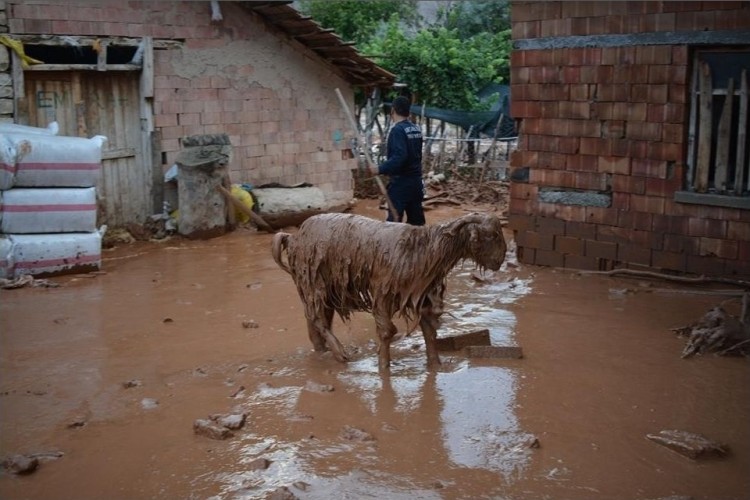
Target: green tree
[(478, 16), (356, 20), (442, 68)]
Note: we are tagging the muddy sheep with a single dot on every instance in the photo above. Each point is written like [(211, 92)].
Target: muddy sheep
[(345, 263)]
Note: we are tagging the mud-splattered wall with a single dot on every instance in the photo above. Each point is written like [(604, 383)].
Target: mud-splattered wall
[(274, 98), (603, 94)]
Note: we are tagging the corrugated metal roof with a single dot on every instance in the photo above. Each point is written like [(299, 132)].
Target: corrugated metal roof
[(355, 68)]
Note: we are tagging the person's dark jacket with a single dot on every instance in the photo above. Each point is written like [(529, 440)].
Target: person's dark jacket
[(404, 152)]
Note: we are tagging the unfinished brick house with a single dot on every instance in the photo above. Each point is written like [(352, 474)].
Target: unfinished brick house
[(146, 73), (633, 146)]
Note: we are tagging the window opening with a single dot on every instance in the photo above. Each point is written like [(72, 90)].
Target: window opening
[(719, 143)]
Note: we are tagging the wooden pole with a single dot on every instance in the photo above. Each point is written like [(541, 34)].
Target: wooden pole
[(739, 175), (370, 164), (257, 219), (703, 163), (723, 139)]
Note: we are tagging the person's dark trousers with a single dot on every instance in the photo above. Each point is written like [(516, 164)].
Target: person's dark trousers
[(406, 194)]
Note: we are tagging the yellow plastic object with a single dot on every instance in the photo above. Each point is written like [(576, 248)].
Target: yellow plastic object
[(246, 200), (17, 47)]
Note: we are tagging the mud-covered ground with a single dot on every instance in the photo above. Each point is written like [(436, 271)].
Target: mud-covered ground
[(206, 327)]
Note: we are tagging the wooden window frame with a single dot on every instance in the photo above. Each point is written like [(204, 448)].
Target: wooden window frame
[(717, 175)]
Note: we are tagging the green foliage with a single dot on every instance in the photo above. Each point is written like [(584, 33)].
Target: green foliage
[(443, 69), (479, 16), (357, 20)]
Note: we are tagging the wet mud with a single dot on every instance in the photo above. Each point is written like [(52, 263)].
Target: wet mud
[(104, 377)]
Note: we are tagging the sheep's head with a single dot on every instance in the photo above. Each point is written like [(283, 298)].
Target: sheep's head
[(484, 236)]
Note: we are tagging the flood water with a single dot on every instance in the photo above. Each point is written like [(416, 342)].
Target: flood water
[(601, 369)]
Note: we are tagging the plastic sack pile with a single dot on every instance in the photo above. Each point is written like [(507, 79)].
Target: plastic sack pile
[(48, 201)]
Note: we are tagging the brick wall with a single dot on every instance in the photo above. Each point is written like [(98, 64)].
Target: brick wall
[(613, 119), (273, 98)]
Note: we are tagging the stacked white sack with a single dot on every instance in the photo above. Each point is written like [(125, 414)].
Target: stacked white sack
[(48, 206)]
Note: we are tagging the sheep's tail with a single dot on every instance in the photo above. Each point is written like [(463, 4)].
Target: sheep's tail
[(279, 246)]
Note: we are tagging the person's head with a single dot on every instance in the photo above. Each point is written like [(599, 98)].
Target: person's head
[(401, 106)]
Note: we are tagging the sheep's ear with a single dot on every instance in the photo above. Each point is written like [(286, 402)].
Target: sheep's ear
[(455, 226)]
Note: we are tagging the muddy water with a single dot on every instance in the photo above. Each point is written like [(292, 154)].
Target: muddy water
[(601, 370)]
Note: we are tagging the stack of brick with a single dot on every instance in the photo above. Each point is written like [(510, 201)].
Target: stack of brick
[(48, 202), (603, 140)]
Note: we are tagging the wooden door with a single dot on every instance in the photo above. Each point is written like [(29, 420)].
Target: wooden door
[(88, 103)]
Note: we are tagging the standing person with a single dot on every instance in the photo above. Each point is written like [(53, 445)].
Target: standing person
[(404, 165)]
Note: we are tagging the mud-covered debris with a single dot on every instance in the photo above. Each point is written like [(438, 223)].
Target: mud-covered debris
[(76, 423), (301, 418), (674, 497), (259, 464), (351, 433), (301, 485), (211, 430), (255, 285), (26, 280), (200, 372), (458, 342), (129, 384), (717, 331), (494, 352), (149, 403), (389, 428), (47, 456), (316, 387), (693, 446), (21, 464), (230, 421), (282, 493), (240, 390), (250, 324), (167, 320), (437, 485)]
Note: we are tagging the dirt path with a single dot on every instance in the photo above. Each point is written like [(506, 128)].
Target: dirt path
[(601, 371)]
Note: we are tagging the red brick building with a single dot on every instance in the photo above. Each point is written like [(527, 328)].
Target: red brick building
[(633, 123)]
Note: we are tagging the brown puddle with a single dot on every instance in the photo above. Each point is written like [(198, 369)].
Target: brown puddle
[(601, 370)]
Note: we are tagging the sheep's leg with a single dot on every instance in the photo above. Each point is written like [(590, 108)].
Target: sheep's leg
[(429, 321), (386, 331), (322, 337)]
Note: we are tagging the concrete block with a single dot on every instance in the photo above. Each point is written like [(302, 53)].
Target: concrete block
[(494, 352), (458, 342)]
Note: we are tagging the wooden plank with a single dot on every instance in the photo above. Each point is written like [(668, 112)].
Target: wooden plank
[(703, 163), (20, 106), (83, 67), (80, 106), (722, 140), (147, 73), (111, 154), (101, 56), (740, 166), (693, 127), (157, 174)]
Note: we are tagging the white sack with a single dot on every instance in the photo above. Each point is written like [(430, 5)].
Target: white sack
[(55, 253), (6, 257), (59, 161), (50, 210), (12, 149)]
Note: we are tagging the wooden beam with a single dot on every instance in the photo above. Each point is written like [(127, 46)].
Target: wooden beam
[(703, 163), (723, 139), (101, 56), (147, 71), (83, 67), (739, 169)]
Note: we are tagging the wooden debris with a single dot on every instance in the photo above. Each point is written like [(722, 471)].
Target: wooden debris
[(719, 332), (20, 464), (458, 342), (494, 352), (693, 446)]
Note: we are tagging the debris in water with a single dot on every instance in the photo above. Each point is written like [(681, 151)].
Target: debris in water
[(250, 324), (132, 383), (167, 320), (259, 464), (301, 485), (354, 434), (281, 493), (717, 331), (316, 387), (693, 446), (458, 342), (21, 464), (230, 421), (149, 403), (209, 429)]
